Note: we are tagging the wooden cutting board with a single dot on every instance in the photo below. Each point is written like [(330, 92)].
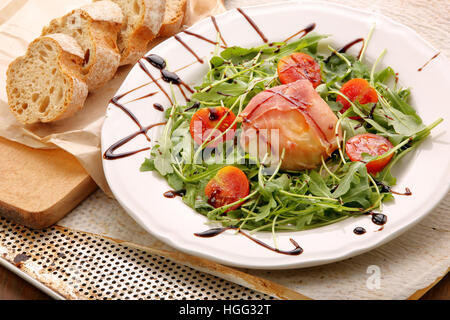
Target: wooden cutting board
[(39, 187)]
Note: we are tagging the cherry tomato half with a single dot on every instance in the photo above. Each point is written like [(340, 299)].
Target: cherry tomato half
[(298, 66), (229, 185), (372, 144), (205, 120), (357, 90)]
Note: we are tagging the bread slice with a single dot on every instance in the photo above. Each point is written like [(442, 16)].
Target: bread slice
[(95, 27), (46, 84), (173, 18), (143, 20)]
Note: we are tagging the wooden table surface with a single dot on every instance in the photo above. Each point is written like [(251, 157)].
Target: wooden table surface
[(13, 287)]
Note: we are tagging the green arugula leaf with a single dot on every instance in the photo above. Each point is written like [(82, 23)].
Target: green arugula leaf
[(148, 165), (345, 183), (318, 186), (222, 91), (238, 55), (265, 210)]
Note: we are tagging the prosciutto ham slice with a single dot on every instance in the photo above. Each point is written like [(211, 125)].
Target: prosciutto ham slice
[(292, 117)]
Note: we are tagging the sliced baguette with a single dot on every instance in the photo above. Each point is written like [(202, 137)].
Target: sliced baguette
[(143, 20), (173, 17), (46, 84), (95, 27)]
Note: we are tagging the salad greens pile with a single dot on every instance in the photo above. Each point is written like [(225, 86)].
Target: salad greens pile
[(287, 201)]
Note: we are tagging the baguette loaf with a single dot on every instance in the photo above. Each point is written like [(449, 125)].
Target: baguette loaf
[(143, 20), (95, 27), (46, 84), (173, 17)]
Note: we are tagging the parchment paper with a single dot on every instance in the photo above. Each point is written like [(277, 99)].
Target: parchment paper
[(21, 21)]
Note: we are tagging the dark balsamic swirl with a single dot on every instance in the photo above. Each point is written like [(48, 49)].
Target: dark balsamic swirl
[(110, 152), (188, 48), (199, 36), (379, 218), (158, 106), (217, 231), (345, 48), (196, 105), (216, 26), (253, 24), (302, 32), (168, 76), (156, 61), (144, 68), (359, 230), (432, 58), (173, 194), (387, 189)]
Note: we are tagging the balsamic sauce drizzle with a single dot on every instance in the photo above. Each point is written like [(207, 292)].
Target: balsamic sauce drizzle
[(151, 94), (173, 194), (378, 218), (253, 24), (372, 110), (213, 114), (303, 32), (351, 44), (168, 76), (188, 48), (110, 152), (359, 125), (157, 61), (158, 106), (203, 38), (151, 82), (144, 68), (216, 26), (115, 101), (432, 58), (359, 230), (345, 48), (217, 231), (406, 193), (184, 94), (172, 77), (386, 189), (110, 155), (194, 106)]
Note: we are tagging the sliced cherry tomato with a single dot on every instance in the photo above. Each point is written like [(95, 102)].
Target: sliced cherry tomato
[(372, 144), (205, 120), (298, 66), (229, 185), (357, 90)]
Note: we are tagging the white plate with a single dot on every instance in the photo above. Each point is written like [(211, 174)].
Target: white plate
[(426, 172)]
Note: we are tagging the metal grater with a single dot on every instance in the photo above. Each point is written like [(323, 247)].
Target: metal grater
[(77, 265)]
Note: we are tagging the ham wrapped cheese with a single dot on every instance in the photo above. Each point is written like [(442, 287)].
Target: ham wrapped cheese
[(292, 117)]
